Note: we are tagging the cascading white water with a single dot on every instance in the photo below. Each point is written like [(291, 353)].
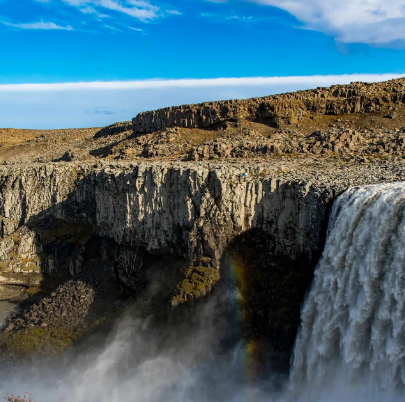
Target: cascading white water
[(353, 322)]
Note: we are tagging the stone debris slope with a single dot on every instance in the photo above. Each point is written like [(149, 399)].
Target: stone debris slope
[(66, 308)]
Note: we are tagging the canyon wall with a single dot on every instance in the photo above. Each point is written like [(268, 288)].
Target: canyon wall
[(189, 210), (133, 216), (249, 214), (277, 110)]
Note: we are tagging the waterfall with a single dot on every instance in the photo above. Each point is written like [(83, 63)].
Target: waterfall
[(353, 321)]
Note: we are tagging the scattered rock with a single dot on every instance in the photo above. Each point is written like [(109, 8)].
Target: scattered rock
[(66, 308)]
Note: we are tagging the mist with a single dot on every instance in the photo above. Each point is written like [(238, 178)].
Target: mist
[(196, 356), (202, 359)]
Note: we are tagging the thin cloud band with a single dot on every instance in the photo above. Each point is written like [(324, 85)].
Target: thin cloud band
[(191, 83)]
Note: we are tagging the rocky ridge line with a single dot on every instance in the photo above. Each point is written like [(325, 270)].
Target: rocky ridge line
[(278, 110)]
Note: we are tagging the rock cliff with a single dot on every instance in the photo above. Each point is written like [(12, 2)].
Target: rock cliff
[(277, 110), (187, 210), (134, 216)]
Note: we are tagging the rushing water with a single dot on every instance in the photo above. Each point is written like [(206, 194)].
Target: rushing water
[(353, 323)]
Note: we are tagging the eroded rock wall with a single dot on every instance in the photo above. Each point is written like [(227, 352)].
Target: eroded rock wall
[(277, 110), (182, 209)]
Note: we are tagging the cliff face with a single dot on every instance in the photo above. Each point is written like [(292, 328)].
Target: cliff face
[(198, 222), (175, 209), (277, 110), (133, 216)]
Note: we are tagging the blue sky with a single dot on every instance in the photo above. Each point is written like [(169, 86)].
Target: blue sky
[(68, 41)]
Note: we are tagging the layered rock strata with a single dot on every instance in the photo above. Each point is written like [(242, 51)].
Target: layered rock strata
[(278, 110), (180, 209)]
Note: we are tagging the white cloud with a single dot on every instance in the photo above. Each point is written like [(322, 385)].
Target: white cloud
[(173, 12), (68, 104), (375, 22), (137, 30), (92, 10), (113, 28), (38, 25), (310, 80), (208, 15), (229, 17), (239, 18), (86, 10), (140, 9)]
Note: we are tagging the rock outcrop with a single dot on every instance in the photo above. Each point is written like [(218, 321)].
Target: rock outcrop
[(333, 142), (114, 129), (183, 209), (278, 110)]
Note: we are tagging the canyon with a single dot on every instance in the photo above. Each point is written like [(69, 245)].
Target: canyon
[(178, 193)]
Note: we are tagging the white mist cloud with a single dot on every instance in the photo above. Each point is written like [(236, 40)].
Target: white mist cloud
[(374, 22), (177, 360), (173, 12), (147, 360), (64, 105)]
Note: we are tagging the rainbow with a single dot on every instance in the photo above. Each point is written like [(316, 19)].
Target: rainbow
[(240, 272)]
